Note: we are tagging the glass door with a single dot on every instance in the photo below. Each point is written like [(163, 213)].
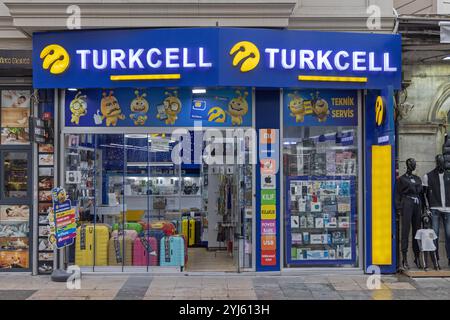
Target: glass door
[(15, 210)]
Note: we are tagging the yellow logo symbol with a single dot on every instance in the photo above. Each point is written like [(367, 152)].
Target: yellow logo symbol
[(216, 114), (55, 58), (379, 111), (246, 54)]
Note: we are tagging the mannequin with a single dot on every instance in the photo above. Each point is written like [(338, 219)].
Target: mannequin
[(437, 190), (409, 200)]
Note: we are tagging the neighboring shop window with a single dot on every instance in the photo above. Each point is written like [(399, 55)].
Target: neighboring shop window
[(320, 174), (15, 112)]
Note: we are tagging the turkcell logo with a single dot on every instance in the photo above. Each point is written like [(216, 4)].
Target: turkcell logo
[(245, 55), (55, 59)]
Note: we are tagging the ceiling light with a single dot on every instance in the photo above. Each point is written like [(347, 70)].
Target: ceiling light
[(72, 89)]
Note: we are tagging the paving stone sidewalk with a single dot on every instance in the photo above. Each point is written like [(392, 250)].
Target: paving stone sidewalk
[(224, 287)]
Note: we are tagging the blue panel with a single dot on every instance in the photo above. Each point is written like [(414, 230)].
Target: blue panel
[(385, 134), (267, 116), (215, 57)]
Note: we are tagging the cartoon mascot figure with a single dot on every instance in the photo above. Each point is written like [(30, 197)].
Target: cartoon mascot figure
[(139, 107), (59, 195), (237, 108), (78, 107), (296, 107), (320, 108), (110, 109), (172, 107)]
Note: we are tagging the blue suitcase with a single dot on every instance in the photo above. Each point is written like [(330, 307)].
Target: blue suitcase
[(158, 234), (172, 251)]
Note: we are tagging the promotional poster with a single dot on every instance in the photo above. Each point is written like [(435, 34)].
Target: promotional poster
[(320, 107), (158, 107)]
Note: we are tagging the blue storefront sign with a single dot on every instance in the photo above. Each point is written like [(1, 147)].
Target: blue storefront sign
[(215, 57), (158, 107)]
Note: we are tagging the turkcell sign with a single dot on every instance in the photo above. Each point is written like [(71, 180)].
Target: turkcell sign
[(215, 57)]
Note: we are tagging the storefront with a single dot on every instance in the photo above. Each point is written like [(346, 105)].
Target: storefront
[(266, 149)]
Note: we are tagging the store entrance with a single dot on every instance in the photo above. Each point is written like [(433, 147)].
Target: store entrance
[(140, 210)]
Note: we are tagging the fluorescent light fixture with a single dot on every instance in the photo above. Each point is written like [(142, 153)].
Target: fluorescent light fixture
[(72, 89), (446, 58), (150, 164), (198, 90)]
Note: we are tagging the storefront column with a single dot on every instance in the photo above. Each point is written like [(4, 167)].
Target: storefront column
[(268, 213), (380, 224)]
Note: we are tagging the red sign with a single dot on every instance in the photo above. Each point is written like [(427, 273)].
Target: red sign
[(268, 258)]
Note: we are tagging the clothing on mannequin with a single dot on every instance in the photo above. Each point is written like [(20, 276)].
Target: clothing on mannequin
[(426, 238), (409, 200), (437, 194)]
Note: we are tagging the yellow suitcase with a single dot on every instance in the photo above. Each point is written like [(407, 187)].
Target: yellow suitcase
[(116, 254), (191, 232), (84, 245), (184, 228)]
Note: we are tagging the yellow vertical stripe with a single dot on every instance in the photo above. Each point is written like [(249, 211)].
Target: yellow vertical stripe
[(381, 205)]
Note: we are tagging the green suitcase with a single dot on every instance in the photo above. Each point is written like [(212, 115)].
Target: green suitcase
[(128, 226)]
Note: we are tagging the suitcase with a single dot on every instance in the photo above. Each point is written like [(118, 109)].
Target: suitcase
[(172, 251), (198, 232), (185, 228), (116, 254), (185, 249), (85, 241), (158, 235), (166, 226), (132, 234), (145, 251), (128, 226), (191, 232)]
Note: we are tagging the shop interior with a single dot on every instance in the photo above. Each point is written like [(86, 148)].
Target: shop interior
[(129, 188)]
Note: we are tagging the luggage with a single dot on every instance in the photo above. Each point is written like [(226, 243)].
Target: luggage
[(191, 232), (166, 226), (185, 249), (185, 228), (198, 232), (132, 234), (145, 251), (116, 253), (158, 235), (89, 235), (172, 252), (128, 226)]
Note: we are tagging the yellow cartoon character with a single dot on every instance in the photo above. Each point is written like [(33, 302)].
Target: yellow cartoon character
[(139, 107), (320, 108), (238, 107), (296, 106), (78, 107), (172, 107), (110, 109)]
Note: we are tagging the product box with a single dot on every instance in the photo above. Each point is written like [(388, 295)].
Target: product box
[(319, 222), (302, 222), (316, 207), (343, 222), (338, 237), (331, 223), (332, 254), (317, 255), (297, 238), (302, 253), (309, 222), (295, 222), (306, 237), (294, 254), (344, 207), (347, 252)]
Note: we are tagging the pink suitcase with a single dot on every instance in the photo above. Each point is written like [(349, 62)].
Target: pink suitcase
[(143, 249)]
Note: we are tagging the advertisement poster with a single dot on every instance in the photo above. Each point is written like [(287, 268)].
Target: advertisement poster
[(158, 107), (320, 107), (63, 226)]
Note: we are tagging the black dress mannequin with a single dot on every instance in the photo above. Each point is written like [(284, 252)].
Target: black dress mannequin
[(409, 200)]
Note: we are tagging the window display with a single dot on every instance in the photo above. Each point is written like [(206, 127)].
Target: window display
[(136, 208), (15, 112), (320, 156)]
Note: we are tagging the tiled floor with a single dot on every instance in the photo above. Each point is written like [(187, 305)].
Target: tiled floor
[(200, 259), (225, 286)]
